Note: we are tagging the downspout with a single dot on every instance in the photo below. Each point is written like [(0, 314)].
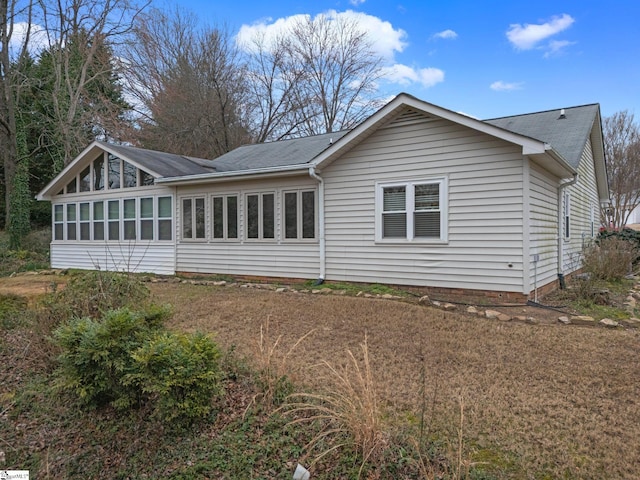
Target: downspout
[(561, 189), (322, 243)]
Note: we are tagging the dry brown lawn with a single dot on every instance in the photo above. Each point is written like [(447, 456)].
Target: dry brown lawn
[(540, 401)]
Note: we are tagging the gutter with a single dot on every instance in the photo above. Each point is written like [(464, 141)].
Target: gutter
[(241, 174), (561, 189), (322, 244)]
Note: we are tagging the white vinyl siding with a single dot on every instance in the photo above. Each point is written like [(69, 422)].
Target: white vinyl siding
[(271, 257), (543, 198), (485, 208)]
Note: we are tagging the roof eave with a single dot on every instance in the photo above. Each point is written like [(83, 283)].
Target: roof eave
[(236, 174)]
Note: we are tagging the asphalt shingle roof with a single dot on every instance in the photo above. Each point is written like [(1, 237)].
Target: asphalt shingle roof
[(567, 135)]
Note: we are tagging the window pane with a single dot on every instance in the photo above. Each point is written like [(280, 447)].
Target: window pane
[(394, 199), (252, 216), (146, 208), (84, 231), (114, 230), (291, 215), (84, 212), (308, 215), (114, 210), (164, 230), (145, 178), (71, 231), (146, 229), (129, 175), (71, 212), (98, 230), (58, 231), (85, 180), (427, 197), (268, 218), (98, 174), (199, 217), (232, 217), (187, 219), (98, 210), (164, 207), (114, 172), (218, 225), (426, 224), (58, 213), (130, 230), (394, 225), (129, 207), (71, 186)]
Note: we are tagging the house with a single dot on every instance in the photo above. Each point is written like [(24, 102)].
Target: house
[(415, 195)]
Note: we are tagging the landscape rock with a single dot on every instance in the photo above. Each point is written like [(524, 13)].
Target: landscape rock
[(503, 317), (607, 322), (436, 303), (220, 283), (583, 320), (280, 290), (424, 300), (492, 314), (449, 306), (360, 293), (339, 292), (472, 309), (564, 320)]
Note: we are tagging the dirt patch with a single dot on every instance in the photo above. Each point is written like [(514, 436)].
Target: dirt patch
[(31, 284), (559, 400)]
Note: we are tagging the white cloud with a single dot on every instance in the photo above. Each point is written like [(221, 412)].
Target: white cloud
[(405, 75), (386, 42), (446, 35), (355, 3), (530, 35), (501, 86), (385, 39), (556, 47), (38, 39)]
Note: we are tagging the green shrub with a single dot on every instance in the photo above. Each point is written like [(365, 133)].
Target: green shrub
[(91, 294), (180, 372), (126, 359), (96, 355), (12, 310)]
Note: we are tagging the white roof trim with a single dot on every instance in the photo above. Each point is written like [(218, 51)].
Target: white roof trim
[(219, 176)]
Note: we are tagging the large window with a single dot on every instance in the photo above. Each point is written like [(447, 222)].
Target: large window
[(98, 220), (299, 215), (129, 210), (146, 219), (193, 218), (71, 221), (58, 222), (165, 216), (225, 217), (412, 211), (85, 225), (260, 216)]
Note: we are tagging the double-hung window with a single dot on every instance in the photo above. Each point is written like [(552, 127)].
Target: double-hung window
[(260, 219), (299, 215), (566, 227), (146, 218), (225, 217), (193, 217), (58, 222), (412, 211), (129, 223), (85, 225)]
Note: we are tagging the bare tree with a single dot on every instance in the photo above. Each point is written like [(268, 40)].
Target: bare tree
[(81, 34), (341, 69), (188, 85), (622, 149)]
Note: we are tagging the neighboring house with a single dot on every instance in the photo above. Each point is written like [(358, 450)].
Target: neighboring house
[(414, 195)]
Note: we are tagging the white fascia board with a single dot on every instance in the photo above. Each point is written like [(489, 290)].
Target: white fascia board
[(235, 175), (529, 145), (45, 193)]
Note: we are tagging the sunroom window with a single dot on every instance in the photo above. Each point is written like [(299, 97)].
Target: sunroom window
[(225, 217), (260, 216)]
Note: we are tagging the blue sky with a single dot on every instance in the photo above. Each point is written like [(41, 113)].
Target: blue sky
[(486, 58)]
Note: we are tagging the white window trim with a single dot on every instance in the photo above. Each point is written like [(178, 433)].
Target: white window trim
[(566, 216), (245, 216), (225, 214), (193, 199), (283, 233), (410, 184)]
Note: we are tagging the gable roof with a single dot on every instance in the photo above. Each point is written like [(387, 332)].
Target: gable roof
[(566, 130), (555, 143)]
